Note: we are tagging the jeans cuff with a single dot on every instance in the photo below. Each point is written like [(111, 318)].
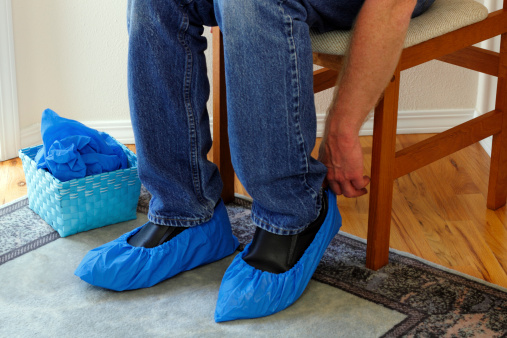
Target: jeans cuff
[(265, 225), (178, 222)]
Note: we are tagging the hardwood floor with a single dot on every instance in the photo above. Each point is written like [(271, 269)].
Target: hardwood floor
[(439, 211)]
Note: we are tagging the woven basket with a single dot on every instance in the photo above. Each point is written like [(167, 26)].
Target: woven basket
[(82, 204)]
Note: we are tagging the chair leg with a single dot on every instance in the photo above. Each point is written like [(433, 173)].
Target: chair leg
[(497, 190), (382, 176), (221, 151)]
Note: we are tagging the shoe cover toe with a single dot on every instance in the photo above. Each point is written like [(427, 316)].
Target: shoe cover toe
[(247, 292), (119, 266)]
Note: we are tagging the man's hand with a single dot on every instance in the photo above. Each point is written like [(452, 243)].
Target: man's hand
[(343, 158), (375, 49)]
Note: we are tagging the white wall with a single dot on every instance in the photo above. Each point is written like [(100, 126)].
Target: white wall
[(71, 56), (431, 86)]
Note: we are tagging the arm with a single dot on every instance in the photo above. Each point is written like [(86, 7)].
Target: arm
[(374, 52)]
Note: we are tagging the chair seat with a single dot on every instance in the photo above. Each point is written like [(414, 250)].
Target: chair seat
[(442, 17)]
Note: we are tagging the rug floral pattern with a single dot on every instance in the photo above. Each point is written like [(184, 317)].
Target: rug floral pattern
[(437, 303)]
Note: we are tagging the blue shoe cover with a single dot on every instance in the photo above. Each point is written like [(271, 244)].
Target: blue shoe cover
[(250, 293), (120, 266)]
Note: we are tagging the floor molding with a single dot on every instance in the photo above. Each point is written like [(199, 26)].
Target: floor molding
[(487, 143), (120, 130), (409, 122), (412, 121), (424, 121)]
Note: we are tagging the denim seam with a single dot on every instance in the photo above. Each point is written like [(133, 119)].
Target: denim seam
[(294, 114), (194, 165), (297, 89)]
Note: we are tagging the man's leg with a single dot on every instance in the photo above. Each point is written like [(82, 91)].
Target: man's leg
[(271, 114), (269, 73), (168, 90), (272, 132)]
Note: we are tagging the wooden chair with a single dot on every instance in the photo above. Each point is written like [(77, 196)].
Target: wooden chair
[(446, 32)]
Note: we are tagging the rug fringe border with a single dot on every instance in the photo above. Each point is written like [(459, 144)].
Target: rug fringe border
[(33, 245), (14, 205), (431, 264)]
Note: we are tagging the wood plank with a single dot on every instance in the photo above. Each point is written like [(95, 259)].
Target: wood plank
[(428, 220), (488, 225), (495, 24), (411, 238), (449, 181), (12, 180), (479, 254), (382, 175), (446, 143), (324, 79), (427, 199), (131, 147), (475, 58), (221, 151)]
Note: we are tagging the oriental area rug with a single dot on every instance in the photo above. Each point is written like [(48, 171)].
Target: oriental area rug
[(40, 296)]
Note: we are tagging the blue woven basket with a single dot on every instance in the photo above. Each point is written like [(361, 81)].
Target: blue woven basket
[(82, 204)]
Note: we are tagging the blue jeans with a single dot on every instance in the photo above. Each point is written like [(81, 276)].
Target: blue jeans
[(271, 113)]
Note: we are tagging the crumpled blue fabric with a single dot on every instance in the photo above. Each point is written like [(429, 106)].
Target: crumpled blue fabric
[(72, 150), (247, 292), (120, 266)]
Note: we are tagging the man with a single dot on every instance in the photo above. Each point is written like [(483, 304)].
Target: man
[(272, 130)]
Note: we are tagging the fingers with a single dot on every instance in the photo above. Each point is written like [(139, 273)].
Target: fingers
[(350, 191), (359, 184), (335, 187), (349, 188)]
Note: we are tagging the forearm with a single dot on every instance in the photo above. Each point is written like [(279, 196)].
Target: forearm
[(374, 52)]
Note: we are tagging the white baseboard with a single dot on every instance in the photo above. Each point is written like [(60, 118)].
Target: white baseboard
[(120, 130), (409, 122), (425, 121), (487, 144), (415, 121)]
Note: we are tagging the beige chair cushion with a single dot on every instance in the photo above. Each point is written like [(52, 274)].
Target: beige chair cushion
[(442, 17)]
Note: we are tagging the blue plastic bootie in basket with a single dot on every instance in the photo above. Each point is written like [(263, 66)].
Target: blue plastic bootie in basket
[(119, 266), (247, 292), (72, 150)]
